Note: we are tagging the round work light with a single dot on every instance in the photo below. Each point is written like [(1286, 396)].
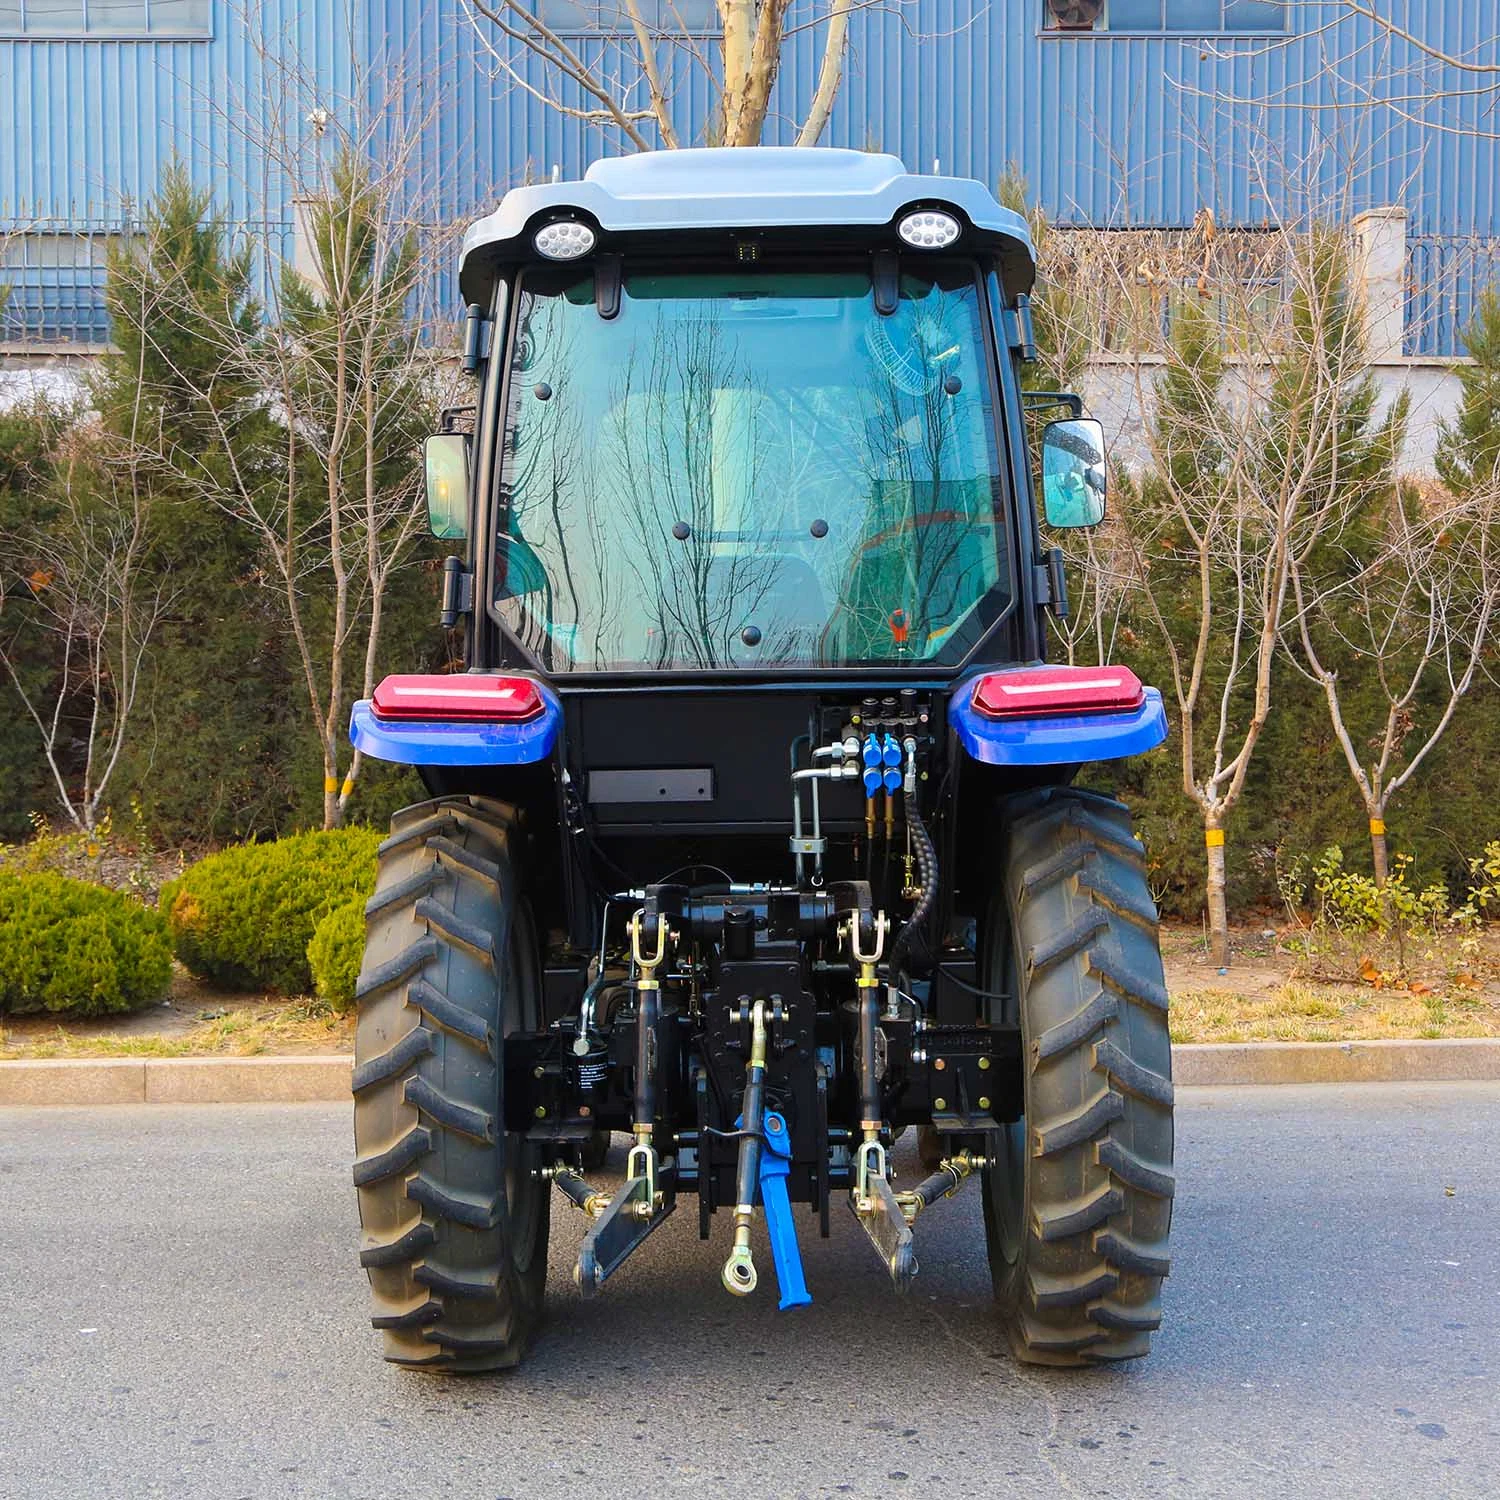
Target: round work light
[(564, 239), (927, 229)]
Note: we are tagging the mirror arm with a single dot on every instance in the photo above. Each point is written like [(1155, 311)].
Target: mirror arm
[(1040, 400)]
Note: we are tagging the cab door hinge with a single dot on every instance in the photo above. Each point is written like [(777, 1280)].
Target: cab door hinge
[(1050, 583), (458, 592), (1019, 331)]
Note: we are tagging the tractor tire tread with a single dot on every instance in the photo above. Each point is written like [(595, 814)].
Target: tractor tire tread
[(444, 969), (1083, 1283), (417, 1043), (1079, 1027), (478, 1124), (395, 1160), (1069, 1219)]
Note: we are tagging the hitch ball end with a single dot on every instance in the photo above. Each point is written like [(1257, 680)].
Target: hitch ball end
[(739, 1269)]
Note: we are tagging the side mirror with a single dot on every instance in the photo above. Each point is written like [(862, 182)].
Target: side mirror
[(1073, 473), (447, 462)]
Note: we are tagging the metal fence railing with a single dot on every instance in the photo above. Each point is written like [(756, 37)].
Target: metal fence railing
[(53, 274), (52, 280), (1445, 277)]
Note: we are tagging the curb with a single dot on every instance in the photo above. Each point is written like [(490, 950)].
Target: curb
[(1475, 1059), (325, 1078), (176, 1080)]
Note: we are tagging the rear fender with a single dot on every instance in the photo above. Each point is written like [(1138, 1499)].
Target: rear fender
[(1058, 738), (456, 741)]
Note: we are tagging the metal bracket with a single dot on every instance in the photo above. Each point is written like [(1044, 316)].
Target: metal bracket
[(869, 1164), (623, 1226), (889, 1232)]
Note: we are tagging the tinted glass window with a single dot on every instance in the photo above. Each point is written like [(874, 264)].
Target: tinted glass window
[(751, 469), (112, 18), (1201, 16)]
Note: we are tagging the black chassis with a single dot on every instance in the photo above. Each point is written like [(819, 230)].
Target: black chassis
[(709, 854)]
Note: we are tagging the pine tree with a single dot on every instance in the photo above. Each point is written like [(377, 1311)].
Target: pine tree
[(220, 722), (1468, 453)]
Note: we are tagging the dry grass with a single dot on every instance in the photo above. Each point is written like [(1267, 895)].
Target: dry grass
[(1275, 991), (294, 1026), (1307, 1012)]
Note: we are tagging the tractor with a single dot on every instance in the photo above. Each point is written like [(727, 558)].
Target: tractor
[(752, 831)]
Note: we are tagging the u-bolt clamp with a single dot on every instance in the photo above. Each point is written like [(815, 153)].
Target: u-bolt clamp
[(648, 966), (873, 957)]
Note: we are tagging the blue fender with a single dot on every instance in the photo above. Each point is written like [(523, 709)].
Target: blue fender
[(1057, 739), (423, 742)]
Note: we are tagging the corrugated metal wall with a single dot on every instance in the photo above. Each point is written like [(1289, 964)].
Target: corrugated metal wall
[(86, 126), (1109, 130)]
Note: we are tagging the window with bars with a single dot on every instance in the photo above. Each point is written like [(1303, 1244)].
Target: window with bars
[(106, 18), (1190, 17), (611, 17)]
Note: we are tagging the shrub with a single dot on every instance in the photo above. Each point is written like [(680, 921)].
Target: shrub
[(1352, 902), (243, 918), (335, 951), (77, 949)]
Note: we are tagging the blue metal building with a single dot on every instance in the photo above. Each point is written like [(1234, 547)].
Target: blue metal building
[(1138, 114)]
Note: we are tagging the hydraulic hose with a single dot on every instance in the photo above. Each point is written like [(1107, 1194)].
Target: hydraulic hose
[(927, 867)]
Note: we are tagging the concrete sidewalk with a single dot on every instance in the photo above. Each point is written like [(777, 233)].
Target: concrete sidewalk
[(301, 1080)]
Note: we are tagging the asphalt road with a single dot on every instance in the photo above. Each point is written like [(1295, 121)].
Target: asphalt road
[(181, 1314)]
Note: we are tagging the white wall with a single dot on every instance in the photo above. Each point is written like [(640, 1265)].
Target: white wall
[(1110, 390)]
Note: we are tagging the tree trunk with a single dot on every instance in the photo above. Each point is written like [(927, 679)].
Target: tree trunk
[(1378, 850), (333, 814), (1218, 910)]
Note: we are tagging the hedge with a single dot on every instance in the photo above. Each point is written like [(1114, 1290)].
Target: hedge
[(78, 949), (335, 952), (243, 918)]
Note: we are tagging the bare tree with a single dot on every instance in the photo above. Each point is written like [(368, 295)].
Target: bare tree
[(1485, 71), (1245, 485), (1385, 56), (78, 576), (1411, 623), (351, 388), (1101, 564), (616, 66), (332, 388)]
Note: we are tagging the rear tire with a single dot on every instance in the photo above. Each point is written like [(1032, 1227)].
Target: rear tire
[(1079, 1205), (455, 1220)]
